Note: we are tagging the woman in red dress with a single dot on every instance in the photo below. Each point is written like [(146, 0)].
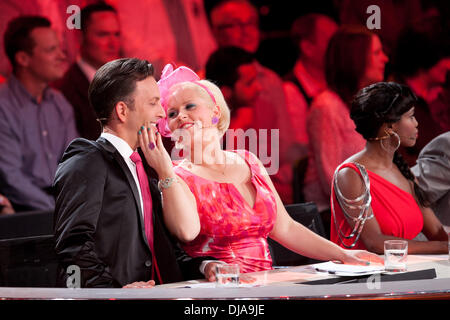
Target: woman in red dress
[(387, 203), (222, 203)]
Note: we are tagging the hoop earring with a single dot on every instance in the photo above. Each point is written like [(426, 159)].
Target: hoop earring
[(393, 133)]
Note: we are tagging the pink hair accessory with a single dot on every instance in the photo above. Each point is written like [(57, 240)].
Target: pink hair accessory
[(170, 77)]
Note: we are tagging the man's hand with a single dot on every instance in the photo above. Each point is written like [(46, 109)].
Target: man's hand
[(5, 206), (140, 285)]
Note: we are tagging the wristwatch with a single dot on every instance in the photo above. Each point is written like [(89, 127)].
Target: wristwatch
[(166, 183)]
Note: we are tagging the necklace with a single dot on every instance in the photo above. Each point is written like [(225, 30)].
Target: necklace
[(191, 165)]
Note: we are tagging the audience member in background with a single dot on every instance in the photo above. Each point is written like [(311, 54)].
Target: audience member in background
[(54, 11), (354, 59), (425, 73), (108, 211), (311, 34), (375, 189), (433, 175), (392, 23), (100, 43), (5, 206), (166, 31), (236, 23), (2, 79), (440, 108), (222, 203), (234, 71), (36, 121)]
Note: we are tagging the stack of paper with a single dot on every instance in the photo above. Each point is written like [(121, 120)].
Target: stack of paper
[(340, 269)]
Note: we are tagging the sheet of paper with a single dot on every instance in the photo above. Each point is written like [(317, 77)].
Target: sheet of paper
[(347, 269), (205, 285)]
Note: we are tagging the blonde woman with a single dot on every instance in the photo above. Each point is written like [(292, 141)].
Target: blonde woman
[(222, 203)]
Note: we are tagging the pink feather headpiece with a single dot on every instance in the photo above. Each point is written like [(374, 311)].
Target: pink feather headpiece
[(170, 77)]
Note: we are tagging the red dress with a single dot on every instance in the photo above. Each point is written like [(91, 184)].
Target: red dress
[(231, 230), (396, 211)]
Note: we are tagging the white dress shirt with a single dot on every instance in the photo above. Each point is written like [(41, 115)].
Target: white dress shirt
[(125, 151)]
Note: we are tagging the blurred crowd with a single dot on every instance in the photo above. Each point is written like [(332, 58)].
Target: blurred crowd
[(281, 65)]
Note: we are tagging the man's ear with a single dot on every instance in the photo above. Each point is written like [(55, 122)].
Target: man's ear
[(121, 110), (22, 59)]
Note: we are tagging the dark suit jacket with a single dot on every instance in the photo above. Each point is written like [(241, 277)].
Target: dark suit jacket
[(99, 225), (74, 85)]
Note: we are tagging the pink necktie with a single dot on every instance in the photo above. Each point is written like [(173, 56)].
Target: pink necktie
[(147, 201)]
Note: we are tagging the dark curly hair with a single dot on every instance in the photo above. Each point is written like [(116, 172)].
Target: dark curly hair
[(385, 102)]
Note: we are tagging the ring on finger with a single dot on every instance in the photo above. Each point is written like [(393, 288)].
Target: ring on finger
[(151, 146)]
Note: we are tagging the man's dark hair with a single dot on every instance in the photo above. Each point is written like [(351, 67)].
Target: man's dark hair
[(18, 35), (304, 27), (116, 81), (417, 51), (223, 64), (89, 10)]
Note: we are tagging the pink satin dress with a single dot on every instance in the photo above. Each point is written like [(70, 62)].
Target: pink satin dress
[(231, 230)]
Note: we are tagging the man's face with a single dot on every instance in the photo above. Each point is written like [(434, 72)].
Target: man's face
[(325, 29), (236, 24), (101, 40), (146, 107), (437, 74), (46, 61), (247, 87)]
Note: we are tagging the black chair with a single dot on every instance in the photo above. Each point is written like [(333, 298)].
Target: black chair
[(298, 178), (308, 215), (27, 250), (26, 224), (28, 262)]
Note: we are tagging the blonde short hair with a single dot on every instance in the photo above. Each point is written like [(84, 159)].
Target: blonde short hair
[(224, 120)]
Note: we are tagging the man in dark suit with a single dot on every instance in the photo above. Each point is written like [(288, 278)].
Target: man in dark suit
[(100, 223), (100, 43)]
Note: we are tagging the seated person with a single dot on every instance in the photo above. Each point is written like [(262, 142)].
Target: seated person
[(230, 205), (36, 121), (425, 73), (100, 43), (108, 211), (227, 19), (235, 73), (331, 132), (374, 194), (433, 175)]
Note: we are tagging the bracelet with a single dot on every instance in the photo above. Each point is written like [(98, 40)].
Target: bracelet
[(166, 183)]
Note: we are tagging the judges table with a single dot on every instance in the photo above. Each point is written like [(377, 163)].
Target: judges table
[(302, 282)]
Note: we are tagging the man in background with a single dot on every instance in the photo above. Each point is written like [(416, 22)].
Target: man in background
[(36, 121), (236, 23), (100, 43)]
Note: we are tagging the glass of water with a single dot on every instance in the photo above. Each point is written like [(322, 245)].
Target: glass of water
[(395, 255), (227, 275)]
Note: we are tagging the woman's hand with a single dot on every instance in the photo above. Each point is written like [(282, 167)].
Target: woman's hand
[(210, 274), (153, 148), (361, 257)]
